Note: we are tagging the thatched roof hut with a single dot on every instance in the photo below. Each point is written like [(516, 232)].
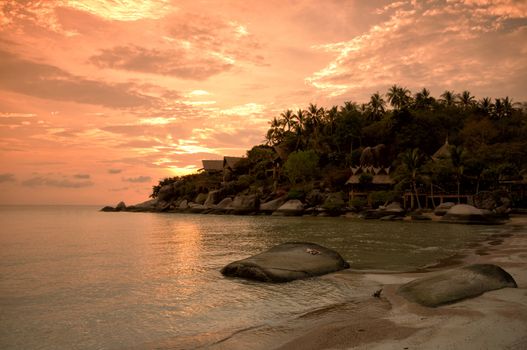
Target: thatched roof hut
[(443, 152)]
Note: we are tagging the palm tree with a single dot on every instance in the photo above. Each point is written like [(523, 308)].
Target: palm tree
[(377, 105), (287, 119), (349, 106), (411, 162), (466, 100), (486, 105), (423, 99), (448, 98), (315, 116), (300, 125), (399, 97), (456, 156), (507, 106), (275, 133)]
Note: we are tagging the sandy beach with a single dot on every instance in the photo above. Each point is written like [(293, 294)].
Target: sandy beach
[(494, 320)]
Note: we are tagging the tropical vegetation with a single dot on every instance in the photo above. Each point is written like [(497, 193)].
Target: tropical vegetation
[(314, 148)]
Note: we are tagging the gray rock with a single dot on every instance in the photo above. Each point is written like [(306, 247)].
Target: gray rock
[(196, 208), (244, 204), (273, 205), (468, 214), (442, 208), (224, 203), (201, 198), (287, 262), (292, 207), (212, 198), (394, 208), (455, 285), (183, 205)]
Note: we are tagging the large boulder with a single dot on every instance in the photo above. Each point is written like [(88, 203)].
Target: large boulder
[(458, 284), (244, 204), (287, 262), (442, 208), (292, 207), (271, 206), (468, 214)]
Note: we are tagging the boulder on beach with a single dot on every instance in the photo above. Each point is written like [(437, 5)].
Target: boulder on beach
[(292, 207), (442, 208), (212, 198), (287, 262), (457, 284), (468, 214)]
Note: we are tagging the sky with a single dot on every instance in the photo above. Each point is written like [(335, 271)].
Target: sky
[(100, 99)]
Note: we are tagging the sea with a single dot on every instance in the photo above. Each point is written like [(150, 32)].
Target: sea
[(72, 277)]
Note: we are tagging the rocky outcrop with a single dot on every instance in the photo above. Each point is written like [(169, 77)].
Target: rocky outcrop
[(287, 262), (292, 207), (443, 208), (455, 285), (468, 214)]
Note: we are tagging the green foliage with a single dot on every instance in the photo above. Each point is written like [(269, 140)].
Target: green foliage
[(334, 202), (358, 202), (296, 193), (381, 197), (365, 178), (301, 165)]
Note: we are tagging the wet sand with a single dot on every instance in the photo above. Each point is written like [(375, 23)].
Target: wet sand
[(494, 320)]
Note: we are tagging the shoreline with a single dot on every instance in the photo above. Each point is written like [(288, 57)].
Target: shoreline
[(494, 320)]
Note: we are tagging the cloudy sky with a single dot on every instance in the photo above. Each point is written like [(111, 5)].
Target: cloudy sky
[(99, 99)]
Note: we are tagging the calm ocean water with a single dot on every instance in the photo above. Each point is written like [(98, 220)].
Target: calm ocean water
[(75, 278)]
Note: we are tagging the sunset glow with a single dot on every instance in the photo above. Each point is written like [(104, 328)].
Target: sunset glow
[(99, 99)]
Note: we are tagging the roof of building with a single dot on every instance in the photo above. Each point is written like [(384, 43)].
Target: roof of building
[(380, 176), (231, 162), (212, 165), (443, 151)]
